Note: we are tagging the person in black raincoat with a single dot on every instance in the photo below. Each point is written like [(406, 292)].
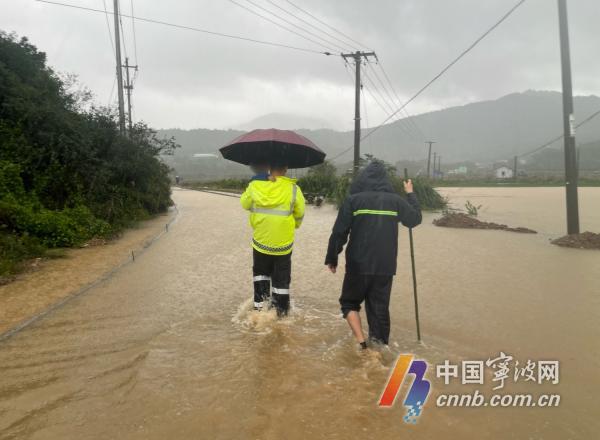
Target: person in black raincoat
[(370, 215)]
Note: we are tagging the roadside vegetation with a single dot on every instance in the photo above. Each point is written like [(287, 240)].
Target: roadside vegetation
[(66, 174), (322, 180)]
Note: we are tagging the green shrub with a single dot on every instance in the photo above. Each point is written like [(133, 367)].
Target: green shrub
[(14, 249), (66, 173), (428, 197), (68, 227), (320, 180)]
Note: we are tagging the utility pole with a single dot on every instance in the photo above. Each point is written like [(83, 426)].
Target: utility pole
[(571, 174), (439, 173), (429, 157), (358, 57), (515, 168), (129, 87), (119, 72), (434, 164)]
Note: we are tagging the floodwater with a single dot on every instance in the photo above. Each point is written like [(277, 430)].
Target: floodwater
[(168, 348)]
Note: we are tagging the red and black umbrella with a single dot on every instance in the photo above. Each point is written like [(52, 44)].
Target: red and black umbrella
[(273, 146)]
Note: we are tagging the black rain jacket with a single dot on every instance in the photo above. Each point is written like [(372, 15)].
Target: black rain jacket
[(370, 214)]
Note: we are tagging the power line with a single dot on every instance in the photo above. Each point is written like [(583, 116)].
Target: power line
[(557, 138), (112, 90), (372, 93), (258, 14), (445, 69), (346, 67), (295, 25), (383, 86), (308, 23), (410, 117), (122, 33), (364, 100), (360, 45), (389, 108), (134, 36), (391, 103), (358, 57), (112, 44), (190, 28)]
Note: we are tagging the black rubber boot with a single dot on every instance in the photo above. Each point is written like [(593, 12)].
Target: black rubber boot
[(281, 304)]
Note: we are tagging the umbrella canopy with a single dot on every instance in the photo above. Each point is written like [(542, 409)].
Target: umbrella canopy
[(273, 146)]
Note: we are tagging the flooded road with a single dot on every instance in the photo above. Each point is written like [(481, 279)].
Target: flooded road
[(167, 348)]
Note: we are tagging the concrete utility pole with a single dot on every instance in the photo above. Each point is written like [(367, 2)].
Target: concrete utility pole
[(129, 87), (439, 168), (358, 57), (571, 173), (434, 164), (119, 72), (429, 157)]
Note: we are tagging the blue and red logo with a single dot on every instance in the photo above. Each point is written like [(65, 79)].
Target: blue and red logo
[(418, 392)]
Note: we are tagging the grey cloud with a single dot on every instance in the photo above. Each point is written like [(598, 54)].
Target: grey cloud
[(188, 79)]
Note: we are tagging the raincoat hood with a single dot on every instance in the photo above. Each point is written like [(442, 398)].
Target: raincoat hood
[(373, 178)]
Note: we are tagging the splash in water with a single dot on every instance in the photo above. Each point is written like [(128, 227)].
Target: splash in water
[(253, 320)]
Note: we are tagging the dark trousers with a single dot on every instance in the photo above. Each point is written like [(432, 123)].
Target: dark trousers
[(374, 290), (272, 276)]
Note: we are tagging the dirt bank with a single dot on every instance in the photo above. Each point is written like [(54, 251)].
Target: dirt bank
[(50, 281), (585, 240), (461, 220)]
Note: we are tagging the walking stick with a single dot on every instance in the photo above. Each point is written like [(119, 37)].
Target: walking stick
[(414, 272)]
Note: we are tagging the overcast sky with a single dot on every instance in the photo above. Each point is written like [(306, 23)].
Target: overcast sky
[(193, 80)]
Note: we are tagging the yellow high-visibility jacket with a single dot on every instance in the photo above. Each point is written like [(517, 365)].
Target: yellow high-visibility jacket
[(276, 210)]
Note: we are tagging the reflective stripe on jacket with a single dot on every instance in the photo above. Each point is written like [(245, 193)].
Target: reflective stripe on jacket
[(276, 210), (370, 215)]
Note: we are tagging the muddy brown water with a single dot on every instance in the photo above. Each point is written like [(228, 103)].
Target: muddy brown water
[(167, 348)]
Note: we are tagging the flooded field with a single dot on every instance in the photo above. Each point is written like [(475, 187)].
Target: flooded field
[(167, 348)]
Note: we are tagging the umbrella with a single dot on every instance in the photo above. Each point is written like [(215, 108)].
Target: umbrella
[(272, 145)]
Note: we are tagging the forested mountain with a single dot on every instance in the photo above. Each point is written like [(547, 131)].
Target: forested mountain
[(482, 132)]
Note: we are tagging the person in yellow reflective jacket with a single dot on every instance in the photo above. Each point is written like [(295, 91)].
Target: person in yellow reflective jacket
[(276, 208)]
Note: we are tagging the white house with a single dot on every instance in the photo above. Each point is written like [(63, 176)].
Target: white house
[(503, 173)]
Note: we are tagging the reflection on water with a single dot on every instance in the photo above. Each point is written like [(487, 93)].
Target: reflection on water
[(169, 348)]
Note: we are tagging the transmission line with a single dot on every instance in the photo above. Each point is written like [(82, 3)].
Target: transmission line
[(122, 33), (360, 45), (112, 44), (310, 24), (557, 138), (364, 101), (381, 99), (258, 14), (389, 100), (134, 36), (445, 69), (327, 42), (191, 28), (410, 117)]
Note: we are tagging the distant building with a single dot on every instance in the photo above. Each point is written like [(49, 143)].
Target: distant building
[(458, 171), (503, 173)]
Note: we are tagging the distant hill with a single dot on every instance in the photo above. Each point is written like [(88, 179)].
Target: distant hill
[(283, 121), (491, 130), (553, 159), (481, 132)]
